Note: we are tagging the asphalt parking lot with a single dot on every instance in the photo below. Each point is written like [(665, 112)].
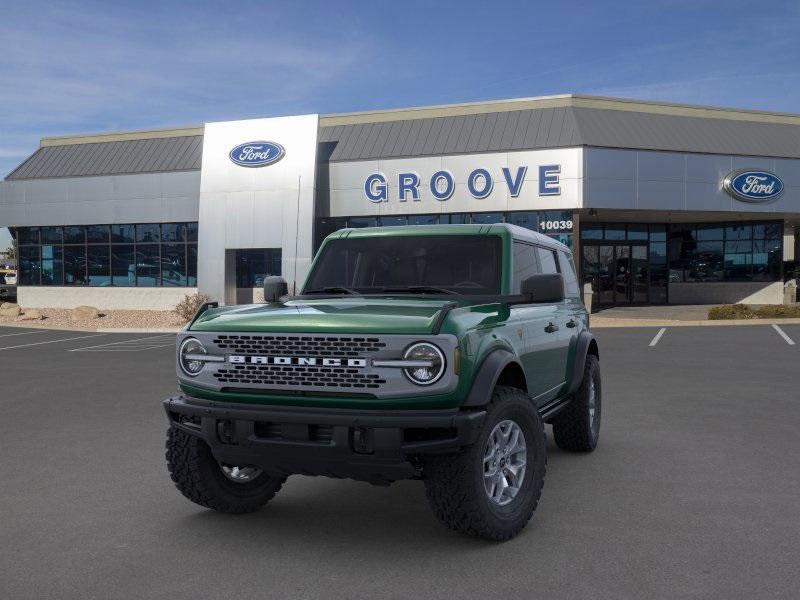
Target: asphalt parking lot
[(693, 491)]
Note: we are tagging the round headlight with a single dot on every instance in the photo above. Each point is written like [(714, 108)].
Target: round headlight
[(431, 365), (189, 362)]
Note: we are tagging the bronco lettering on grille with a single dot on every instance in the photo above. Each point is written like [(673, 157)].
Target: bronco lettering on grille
[(300, 361)]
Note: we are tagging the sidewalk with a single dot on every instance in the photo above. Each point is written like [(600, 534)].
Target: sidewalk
[(672, 316)]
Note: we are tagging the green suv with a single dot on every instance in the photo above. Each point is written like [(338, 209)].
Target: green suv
[(435, 352)]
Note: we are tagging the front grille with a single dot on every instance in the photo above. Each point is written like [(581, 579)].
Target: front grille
[(315, 377), (297, 345)]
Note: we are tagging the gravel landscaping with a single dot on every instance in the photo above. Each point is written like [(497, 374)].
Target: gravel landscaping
[(58, 318)]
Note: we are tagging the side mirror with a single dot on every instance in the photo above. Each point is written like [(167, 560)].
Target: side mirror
[(543, 287), (274, 287)]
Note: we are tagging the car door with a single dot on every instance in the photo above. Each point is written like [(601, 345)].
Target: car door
[(561, 326), (538, 344)]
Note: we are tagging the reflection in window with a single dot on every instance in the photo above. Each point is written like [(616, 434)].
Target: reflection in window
[(99, 265), (148, 233), (123, 265), (173, 265), (52, 265), (75, 265), (148, 265)]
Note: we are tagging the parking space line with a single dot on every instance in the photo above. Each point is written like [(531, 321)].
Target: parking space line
[(23, 333), (782, 333), (150, 340), (82, 337), (657, 337)]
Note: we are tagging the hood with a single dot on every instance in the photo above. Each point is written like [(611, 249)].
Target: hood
[(327, 315)]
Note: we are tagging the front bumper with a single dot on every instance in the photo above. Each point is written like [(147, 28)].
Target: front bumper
[(376, 445)]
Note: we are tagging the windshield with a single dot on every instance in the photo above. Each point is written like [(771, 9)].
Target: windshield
[(445, 264)]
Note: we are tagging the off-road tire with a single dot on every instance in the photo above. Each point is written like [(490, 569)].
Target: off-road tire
[(573, 429), (454, 482), (198, 476)]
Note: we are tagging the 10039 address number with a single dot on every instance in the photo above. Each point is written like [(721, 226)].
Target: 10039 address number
[(565, 225)]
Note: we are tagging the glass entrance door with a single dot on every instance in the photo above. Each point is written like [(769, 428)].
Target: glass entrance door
[(618, 271)]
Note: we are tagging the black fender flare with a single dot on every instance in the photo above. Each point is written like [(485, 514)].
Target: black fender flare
[(486, 378), (584, 345)]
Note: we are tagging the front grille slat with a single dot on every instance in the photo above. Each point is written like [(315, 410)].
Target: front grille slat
[(298, 376)]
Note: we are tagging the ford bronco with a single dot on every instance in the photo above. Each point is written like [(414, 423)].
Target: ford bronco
[(435, 352)]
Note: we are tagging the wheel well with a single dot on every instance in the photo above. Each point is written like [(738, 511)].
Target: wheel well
[(593, 349), (513, 376)]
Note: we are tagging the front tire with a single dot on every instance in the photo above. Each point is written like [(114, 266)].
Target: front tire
[(466, 490), (577, 427), (206, 482)]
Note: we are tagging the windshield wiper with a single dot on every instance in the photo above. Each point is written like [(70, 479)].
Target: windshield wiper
[(332, 290), (418, 289)]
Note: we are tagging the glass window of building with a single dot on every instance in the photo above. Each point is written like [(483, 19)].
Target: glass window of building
[(173, 265), (98, 258), (123, 265), (122, 234), (97, 234), (106, 255), (148, 233), (528, 219), (423, 219), (75, 265), (74, 235), (454, 219), (148, 265), (363, 222), (253, 265), (173, 232), (393, 220), (488, 218)]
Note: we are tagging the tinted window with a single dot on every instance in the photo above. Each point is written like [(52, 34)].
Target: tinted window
[(465, 264), (122, 234), (148, 262), (148, 233), (525, 264), (99, 264), (547, 260), (123, 266), (173, 265), (74, 265), (97, 234)]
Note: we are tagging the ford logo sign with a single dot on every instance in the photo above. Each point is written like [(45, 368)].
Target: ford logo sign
[(753, 186), (257, 154)]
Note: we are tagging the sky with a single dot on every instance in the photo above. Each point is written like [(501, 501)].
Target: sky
[(77, 67)]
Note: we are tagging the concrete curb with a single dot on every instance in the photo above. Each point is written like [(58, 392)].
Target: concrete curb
[(600, 322), (41, 325)]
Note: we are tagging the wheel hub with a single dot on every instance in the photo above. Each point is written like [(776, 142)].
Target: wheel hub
[(504, 460), (240, 474)]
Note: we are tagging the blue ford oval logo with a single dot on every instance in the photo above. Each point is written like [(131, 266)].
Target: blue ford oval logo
[(257, 154), (753, 186)]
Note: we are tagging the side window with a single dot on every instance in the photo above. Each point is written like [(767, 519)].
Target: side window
[(547, 258), (525, 264), (571, 288)]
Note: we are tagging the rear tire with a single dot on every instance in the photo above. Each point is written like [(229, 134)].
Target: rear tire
[(456, 484), (577, 427), (200, 478)]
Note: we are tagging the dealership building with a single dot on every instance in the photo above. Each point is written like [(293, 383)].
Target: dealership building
[(660, 203)]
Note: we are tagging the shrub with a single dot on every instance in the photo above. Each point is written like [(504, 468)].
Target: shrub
[(187, 308), (731, 311), (780, 311), (746, 311)]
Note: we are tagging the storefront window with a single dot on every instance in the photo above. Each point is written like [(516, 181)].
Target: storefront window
[(99, 265), (106, 255), (726, 252)]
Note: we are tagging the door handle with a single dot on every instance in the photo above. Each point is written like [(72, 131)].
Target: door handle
[(551, 328), (571, 323)]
